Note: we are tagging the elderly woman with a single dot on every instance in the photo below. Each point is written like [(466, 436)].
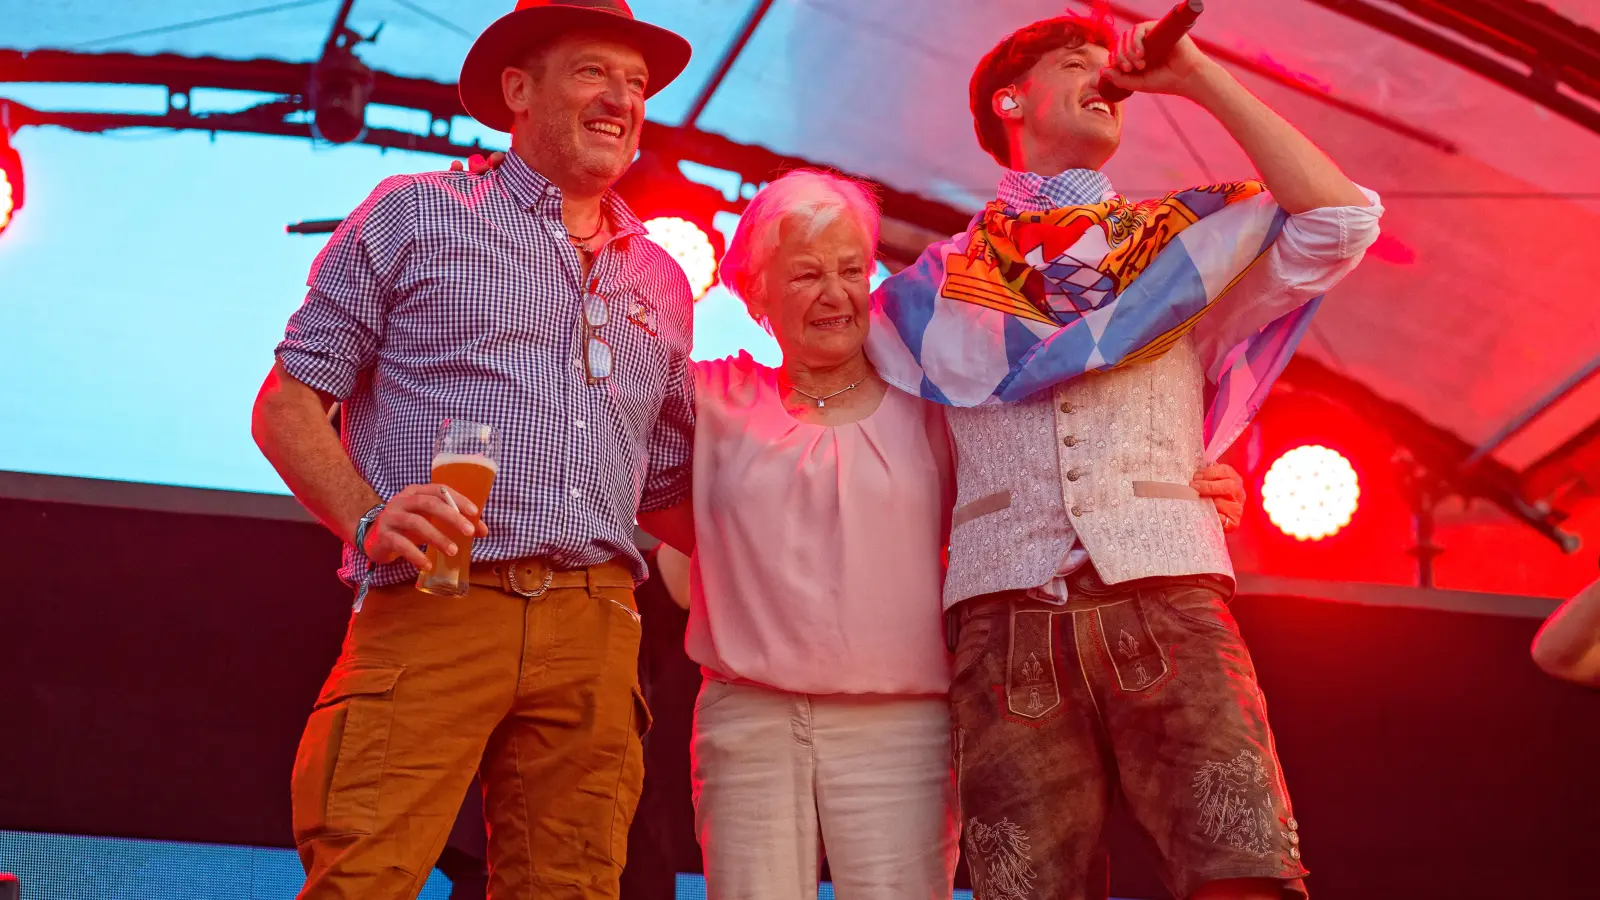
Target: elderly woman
[(821, 507)]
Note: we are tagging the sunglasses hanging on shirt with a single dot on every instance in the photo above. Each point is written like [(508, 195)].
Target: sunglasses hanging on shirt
[(596, 353)]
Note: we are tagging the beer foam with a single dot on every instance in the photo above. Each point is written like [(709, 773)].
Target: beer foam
[(466, 459)]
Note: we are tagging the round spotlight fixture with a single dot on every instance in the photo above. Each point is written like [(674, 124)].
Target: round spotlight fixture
[(690, 247), (340, 86), (1310, 492)]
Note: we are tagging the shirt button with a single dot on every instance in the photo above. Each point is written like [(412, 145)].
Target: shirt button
[(1069, 441), (578, 424), (576, 493), (1068, 408)]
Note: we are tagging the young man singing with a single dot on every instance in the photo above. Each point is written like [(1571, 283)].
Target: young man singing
[(1096, 657)]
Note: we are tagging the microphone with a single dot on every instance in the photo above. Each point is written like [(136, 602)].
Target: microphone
[(1158, 43)]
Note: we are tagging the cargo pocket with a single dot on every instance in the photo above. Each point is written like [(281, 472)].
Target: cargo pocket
[(630, 784), (339, 768)]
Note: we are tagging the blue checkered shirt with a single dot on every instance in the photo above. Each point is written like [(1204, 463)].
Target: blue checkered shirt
[(449, 294), (1032, 192)]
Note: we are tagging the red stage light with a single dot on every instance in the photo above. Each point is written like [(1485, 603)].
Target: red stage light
[(7, 199), (690, 246), (1310, 492), (10, 181), (678, 214)]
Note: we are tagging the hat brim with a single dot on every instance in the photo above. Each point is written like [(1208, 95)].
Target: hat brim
[(665, 53)]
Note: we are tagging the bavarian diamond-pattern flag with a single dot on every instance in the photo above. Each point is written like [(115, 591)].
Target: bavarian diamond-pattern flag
[(1025, 300)]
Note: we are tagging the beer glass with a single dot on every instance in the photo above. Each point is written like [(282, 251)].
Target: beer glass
[(466, 457)]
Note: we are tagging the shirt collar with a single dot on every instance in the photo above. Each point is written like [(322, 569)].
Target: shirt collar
[(534, 192), (1032, 192)]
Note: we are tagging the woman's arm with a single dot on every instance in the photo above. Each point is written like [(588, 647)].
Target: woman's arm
[(674, 568)]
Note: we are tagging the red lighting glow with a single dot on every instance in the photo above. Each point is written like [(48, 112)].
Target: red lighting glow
[(6, 199), (686, 243), (1310, 493), (1392, 250), (11, 189)]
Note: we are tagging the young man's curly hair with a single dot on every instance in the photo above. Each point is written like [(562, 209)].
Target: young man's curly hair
[(1014, 57)]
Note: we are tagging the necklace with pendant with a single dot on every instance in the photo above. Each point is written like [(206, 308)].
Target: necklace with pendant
[(823, 400), (582, 243)]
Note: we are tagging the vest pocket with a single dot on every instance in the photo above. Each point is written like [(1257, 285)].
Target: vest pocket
[(980, 507), (339, 767), (1164, 490)]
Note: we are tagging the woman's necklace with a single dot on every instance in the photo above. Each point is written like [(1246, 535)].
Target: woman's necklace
[(823, 400)]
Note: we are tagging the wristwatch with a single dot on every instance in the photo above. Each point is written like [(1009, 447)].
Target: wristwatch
[(363, 526)]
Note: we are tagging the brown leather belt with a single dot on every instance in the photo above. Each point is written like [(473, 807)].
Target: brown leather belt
[(531, 576)]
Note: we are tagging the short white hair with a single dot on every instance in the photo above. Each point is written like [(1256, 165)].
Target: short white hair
[(810, 198)]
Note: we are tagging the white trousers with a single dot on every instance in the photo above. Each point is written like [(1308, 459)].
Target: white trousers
[(780, 777)]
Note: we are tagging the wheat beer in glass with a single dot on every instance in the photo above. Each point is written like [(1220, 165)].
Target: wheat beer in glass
[(466, 456)]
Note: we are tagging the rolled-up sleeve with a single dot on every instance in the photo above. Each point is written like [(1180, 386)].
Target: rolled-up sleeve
[(1313, 253), (1319, 247), (336, 332)]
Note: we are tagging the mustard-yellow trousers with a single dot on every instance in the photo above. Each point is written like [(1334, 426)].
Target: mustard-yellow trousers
[(539, 695)]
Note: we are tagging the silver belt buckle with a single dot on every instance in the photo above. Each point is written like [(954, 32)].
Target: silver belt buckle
[(516, 588)]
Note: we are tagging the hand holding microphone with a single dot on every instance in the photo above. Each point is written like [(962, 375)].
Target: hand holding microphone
[(1155, 57)]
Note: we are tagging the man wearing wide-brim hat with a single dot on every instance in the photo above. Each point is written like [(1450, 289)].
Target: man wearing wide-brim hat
[(527, 300)]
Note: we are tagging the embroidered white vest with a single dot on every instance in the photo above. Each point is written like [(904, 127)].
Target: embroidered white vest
[(1106, 457)]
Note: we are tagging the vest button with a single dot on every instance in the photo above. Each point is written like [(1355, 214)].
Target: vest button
[(1077, 511), (1068, 408), (1069, 441), (1074, 474)]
